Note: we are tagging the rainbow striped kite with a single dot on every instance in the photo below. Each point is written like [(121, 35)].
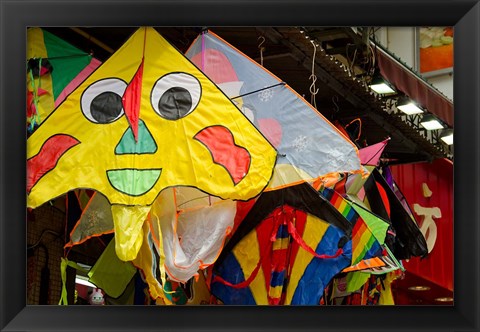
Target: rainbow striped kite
[(368, 233)]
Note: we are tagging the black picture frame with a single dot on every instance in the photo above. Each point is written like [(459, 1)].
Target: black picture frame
[(17, 15)]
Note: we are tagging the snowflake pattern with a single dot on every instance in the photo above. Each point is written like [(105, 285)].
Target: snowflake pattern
[(266, 95), (300, 143)]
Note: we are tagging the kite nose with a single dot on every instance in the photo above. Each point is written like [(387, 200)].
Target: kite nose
[(144, 144)]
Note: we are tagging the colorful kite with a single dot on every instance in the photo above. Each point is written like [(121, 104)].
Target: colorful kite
[(54, 69), (370, 254), (368, 231), (387, 175), (309, 146), (145, 120), (381, 199), (370, 155), (191, 225), (286, 250), (191, 208), (376, 195)]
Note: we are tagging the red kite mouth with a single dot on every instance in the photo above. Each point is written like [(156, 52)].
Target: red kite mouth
[(221, 144)]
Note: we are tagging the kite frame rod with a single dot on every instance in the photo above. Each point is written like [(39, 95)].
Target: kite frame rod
[(252, 92)]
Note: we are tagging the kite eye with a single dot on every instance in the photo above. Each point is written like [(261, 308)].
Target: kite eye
[(102, 101), (176, 95)]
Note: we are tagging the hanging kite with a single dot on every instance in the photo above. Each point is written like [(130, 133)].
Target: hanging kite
[(190, 208), (309, 147), (145, 120), (285, 251), (387, 175), (409, 241), (193, 227), (370, 253), (95, 220), (368, 231), (370, 155), (190, 239), (54, 69), (376, 195)]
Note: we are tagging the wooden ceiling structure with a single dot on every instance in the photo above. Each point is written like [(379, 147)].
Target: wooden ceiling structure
[(344, 64)]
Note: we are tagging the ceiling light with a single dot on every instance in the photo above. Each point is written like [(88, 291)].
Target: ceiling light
[(444, 299), (380, 86), (430, 122), (419, 288), (447, 136), (407, 106)]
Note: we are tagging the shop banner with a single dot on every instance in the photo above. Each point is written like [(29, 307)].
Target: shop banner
[(428, 189)]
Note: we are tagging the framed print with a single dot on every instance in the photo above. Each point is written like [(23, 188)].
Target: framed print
[(17, 313), (434, 50)]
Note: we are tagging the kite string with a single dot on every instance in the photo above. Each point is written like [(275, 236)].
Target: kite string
[(296, 237), (293, 231), (261, 48), (252, 276), (360, 127), (259, 90), (313, 77)]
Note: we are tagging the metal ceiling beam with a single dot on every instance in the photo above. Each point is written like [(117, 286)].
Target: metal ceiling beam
[(273, 56), (306, 61), (336, 50), (340, 88), (328, 35)]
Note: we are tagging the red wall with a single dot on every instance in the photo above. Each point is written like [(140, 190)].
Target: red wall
[(438, 175)]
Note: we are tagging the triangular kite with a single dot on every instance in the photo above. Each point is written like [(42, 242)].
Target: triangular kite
[(188, 133), (309, 146)]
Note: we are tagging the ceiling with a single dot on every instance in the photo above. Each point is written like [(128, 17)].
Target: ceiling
[(343, 64)]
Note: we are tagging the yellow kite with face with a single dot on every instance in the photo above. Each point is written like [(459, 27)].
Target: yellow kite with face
[(145, 120)]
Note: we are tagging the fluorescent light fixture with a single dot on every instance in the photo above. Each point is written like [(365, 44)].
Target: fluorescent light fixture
[(83, 281), (408, 107), (380, 86), (429, 122), (447, 136)]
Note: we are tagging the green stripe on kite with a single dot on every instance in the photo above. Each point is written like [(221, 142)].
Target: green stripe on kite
[(376, 225), (67, 61)]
